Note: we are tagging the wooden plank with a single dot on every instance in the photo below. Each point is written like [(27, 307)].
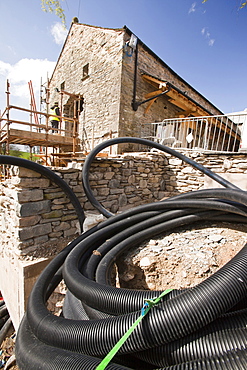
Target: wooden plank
[(38, 138)]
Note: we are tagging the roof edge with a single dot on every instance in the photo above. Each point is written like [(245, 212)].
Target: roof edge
[(169, 68)]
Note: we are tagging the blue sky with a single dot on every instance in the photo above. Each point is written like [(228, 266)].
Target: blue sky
[(206, 44)]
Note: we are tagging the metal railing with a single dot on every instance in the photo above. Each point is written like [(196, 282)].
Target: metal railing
[(212, 133)]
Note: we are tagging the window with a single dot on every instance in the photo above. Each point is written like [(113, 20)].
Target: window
[(85, 71), (62, 86)]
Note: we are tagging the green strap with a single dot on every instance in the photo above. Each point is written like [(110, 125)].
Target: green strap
[(149, 303)]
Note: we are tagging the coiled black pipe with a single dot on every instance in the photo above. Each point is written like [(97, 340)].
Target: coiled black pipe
[(3, 310), (60, 343), (6, 329), (3, 320), (229, 331)]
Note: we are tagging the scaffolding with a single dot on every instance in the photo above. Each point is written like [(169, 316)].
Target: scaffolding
[(53, 147)]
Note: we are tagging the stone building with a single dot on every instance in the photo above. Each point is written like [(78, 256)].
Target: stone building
[(117, 86)]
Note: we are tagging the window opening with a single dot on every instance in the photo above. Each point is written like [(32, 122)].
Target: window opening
[(85, 71)]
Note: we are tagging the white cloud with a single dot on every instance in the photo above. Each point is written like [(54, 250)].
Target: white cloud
[(59, 32), (207, 36), (4, 68), (19, 75), (192, 8)]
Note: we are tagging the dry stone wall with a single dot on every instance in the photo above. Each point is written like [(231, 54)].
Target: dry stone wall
[(36, 213), (33, 212)]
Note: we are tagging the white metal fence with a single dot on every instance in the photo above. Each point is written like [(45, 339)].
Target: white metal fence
[(214, 133)]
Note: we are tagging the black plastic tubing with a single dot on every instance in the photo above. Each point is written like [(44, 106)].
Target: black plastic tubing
[(185, 318)]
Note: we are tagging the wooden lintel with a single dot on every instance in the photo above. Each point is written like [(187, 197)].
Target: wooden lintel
[(76, 96)]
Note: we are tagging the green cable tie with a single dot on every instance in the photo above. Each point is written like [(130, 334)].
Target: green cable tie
[(149, 303)]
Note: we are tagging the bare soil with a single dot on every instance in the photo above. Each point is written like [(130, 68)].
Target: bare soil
[(181, 259)]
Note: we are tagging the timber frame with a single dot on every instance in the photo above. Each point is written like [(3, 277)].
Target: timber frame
[(176, 97)]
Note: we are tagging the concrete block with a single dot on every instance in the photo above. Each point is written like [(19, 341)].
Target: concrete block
[(238, 179), (16, 281)]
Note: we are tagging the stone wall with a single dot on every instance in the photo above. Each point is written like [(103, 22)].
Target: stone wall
[(36, 212), (100, 49)]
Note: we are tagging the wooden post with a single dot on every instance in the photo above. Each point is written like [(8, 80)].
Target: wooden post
[(61, 112), (47, 133), (74, 128), (8, 118), (31, 116)]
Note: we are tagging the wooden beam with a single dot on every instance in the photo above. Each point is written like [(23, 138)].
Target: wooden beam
[(183, 103), (150, 105), (177, 98), (185, 113)]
